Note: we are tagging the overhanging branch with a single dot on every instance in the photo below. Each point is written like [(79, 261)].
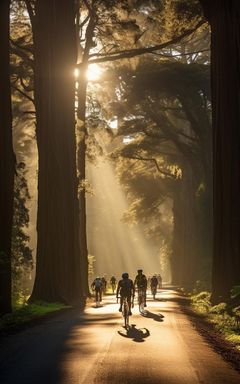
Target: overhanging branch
[(151, 159), (113, 56), (22, 93)]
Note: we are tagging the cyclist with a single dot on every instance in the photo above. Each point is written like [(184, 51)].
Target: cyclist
[(113, 281), (126, 289), (159, 281), (104, 283), (141, 283), (154, 284), (97, 286)]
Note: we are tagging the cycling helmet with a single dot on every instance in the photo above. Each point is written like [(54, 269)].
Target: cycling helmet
[(140, 270), (125, 275)]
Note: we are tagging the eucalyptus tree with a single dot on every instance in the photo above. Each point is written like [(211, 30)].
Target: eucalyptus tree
[(7, 161)]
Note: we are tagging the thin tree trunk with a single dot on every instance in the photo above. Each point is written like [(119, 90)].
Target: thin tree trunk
[(58, 275), (224, 18), (6, 162)]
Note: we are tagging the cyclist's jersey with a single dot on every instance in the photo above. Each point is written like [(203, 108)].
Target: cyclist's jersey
[(97, 284), (141, 281), (154, 282), (113, 280), (125, 287)]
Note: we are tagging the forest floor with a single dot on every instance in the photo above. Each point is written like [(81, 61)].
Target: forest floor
[(214, 337), (162, 347), (26, 315)]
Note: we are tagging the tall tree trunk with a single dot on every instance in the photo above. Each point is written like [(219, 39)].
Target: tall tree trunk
[(82, 147), (201, 125), (58, 275), (6, 162), (81, 114), (185, 260), (176, 260), (224, 18)]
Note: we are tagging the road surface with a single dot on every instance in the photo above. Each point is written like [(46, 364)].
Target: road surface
[(93, 347)]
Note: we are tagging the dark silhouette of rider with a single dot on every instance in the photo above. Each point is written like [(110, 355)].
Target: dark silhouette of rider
[(126, 289), (141, 283)]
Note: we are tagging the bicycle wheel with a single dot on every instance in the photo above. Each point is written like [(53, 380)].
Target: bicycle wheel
[(126, 314), (154, 291), (141, 301)]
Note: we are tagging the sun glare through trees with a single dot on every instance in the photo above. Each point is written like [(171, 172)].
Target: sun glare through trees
[(119, 190), (94, 72)]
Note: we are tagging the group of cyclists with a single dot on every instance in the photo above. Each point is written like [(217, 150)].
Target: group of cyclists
[(126, 287)]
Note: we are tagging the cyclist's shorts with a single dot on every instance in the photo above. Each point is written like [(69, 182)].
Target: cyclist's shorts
[(124, 293)]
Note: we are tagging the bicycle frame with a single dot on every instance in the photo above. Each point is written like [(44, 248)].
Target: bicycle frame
[(125, 312), (154, 291), (113, 287), (98, 297), (141, 299)]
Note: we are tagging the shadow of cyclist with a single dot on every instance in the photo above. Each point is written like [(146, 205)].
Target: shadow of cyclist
[(137, 335), (153, 316)]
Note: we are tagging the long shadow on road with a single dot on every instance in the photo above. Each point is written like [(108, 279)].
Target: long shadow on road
[(137, 335), (152, 315), (35, 355)]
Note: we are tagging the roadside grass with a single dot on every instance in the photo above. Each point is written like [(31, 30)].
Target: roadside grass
[(24, 312), (225, 321)]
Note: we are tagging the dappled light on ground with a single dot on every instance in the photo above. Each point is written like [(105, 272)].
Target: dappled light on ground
[(94, 347)]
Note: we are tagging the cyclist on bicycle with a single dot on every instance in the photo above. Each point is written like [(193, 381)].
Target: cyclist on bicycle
[(104, 284), (113, 282), (154, 283), (141, 283), (126, 289), (97, 286), (159, 281)]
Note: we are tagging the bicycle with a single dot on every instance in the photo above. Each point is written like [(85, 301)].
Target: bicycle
[(154, 291), (141, 299), (125, 311), (98, 297), (113, 287)]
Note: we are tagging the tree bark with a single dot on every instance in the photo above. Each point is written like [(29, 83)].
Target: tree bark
[(6, 162), (185, 259), (82, 148), (58, 275), (224, 19)]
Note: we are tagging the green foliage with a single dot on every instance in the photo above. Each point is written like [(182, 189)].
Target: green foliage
[(219, 309), (91, 262), (28, 312), (22, 261), (235, 292), (201, 302), (227, 323)]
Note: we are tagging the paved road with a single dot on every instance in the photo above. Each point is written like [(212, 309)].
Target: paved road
[(75, 348)]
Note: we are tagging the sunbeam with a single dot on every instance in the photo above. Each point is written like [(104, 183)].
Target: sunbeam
[(115, 245)]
